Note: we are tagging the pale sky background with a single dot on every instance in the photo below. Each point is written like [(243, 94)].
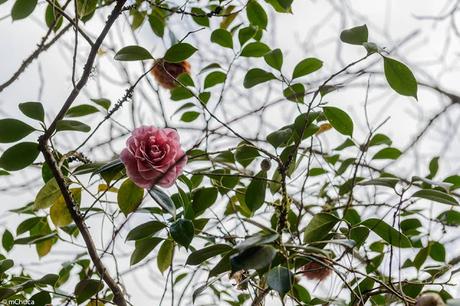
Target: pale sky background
[(389, 21)]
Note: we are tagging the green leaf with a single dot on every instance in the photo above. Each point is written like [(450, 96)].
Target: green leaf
[(35, 239), (306, 66), (19, 156), (246, 34), (319, 227), (255, 193), (157, 23), (257, 257), (189, 116), (52, 16), (105, 103), (47, 195), (339, 120), (5, 265), (281, 137), (12, 130), (281, 280), (256, 14), (295, 93), (72, 125), (257, 76), (437, 251), (387, 153), (257, 240), (199, 256), (41, 299), (129, 197), (86, 7), (182, 231), (274, 58), (214, 78), (379, 139), (33, 110), (450, 218), (143, 248), (133, 53), (201, 19), (48, 279), (86, 288), (281, 6), (165, 255), (223, 38), (355, 36), (400, 77), (145, 230), (420, 258), (255, 49), (23, 8), (59, 213), (381, 181), (433, 167), (179, 52), (163, 200), (204, 198), (81, 110), (387, 233), (435, 195), (7, 240), (245, 154)]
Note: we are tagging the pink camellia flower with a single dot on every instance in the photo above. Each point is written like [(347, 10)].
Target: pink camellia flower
[(153, 157)]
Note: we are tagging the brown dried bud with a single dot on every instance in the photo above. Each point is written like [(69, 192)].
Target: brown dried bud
[(265, 165), (430, 299), (316, 270), (165, 73)]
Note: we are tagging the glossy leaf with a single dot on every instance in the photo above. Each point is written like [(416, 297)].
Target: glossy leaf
[(12, 130), (257, 76), (143, 248), (179, 52), (129, 197), (72, 125), (145, 230), (355, 36), (165, 255), (59, 213), (23, 8), (182, 231), (306, 67), (81, 110), (33, 110), (400, 77), (133, 53), (339, 120), (281, 280), (274, 58), (256, 14), (256, 258), (86, 288), (387, 233), (19, 156), (214, 78), (387, 153), (163, 200), (255, 49), (223, 38), (255, 193), (435, 195), (199, 256), (319, 227)]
